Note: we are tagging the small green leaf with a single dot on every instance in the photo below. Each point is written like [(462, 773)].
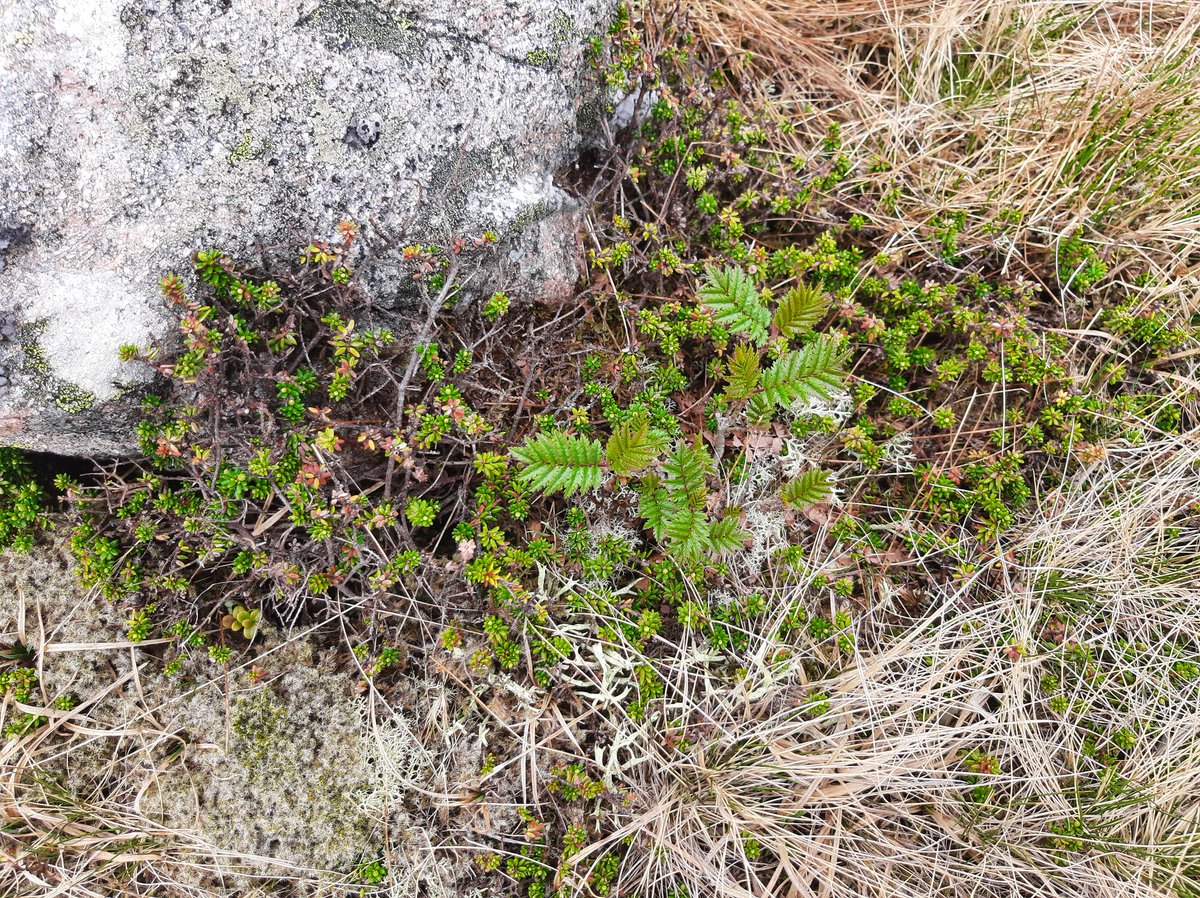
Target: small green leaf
[(807, 489), (688, 468), (744, 372), (815, 370), (688, 533), (557, 462), (800, 309), (760, 410), (734, 301), (653, 505), (725, 536), (631, 448)]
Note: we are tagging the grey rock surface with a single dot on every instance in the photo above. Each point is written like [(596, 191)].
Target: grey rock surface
[(135, 132), (289, 770)]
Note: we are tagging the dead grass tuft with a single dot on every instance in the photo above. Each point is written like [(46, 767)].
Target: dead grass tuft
[(1038, 119), (937, 762)]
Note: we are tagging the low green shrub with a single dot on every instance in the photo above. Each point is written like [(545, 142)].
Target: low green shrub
[(23, 501)]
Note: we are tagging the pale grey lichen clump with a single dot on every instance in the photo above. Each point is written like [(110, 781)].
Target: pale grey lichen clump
[(285, 769), (133, 134), (43, 607), (282, 769), (348, 24)]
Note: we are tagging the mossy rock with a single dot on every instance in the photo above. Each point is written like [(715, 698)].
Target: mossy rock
[(264, 765)]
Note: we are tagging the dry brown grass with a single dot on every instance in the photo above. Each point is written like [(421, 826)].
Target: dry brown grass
[(870, 797), (1070, 115)]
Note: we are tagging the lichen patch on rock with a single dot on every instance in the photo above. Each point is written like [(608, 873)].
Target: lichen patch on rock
[(133, 135)]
